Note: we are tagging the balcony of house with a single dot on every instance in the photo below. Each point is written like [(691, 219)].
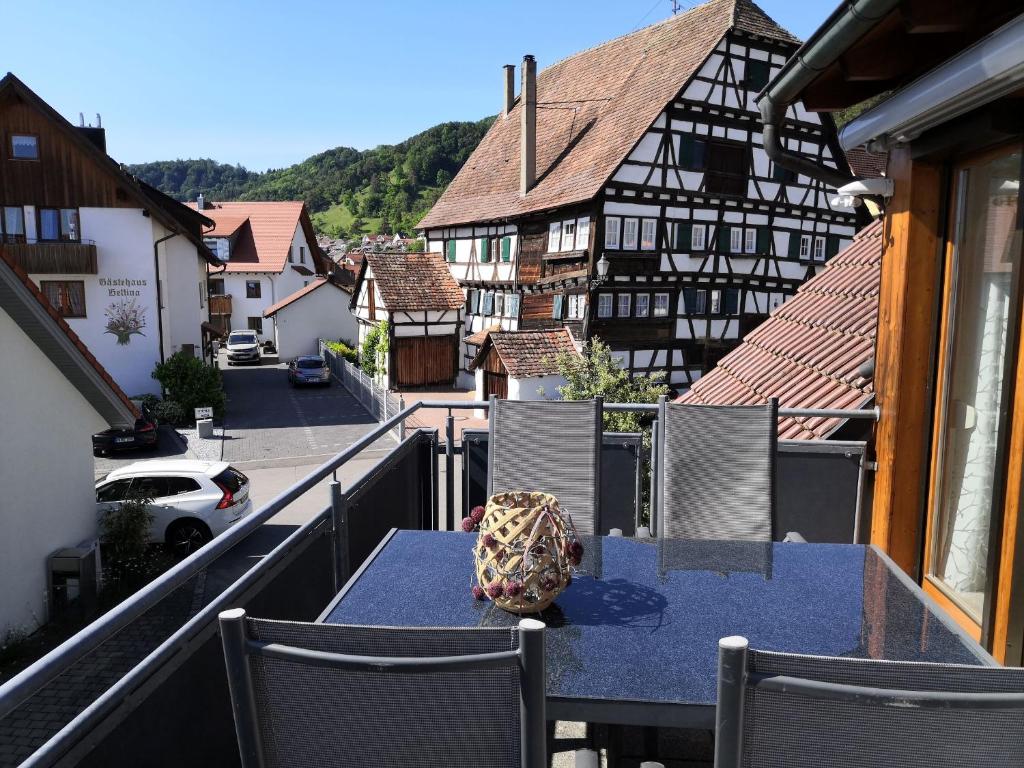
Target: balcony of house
[(631, 642), (220, 303), (54, 257)]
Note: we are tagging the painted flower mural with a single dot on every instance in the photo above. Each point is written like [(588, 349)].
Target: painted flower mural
[(125, 318)]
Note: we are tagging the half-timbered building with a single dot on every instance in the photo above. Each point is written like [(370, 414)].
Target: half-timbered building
[(644, 155), (416, 295)]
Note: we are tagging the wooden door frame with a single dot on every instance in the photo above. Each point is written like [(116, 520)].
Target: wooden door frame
[(993, 629)]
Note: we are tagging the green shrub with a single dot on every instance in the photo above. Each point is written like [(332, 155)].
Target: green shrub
[(192, 383), (124, 528), (147, 400), (169, 412), (343, 350), (374, 353)]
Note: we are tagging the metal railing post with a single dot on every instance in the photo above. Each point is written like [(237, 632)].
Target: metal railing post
[(533, 698), (652, 497), (339, 511), (243, 696), (449, 472), (401, 425)]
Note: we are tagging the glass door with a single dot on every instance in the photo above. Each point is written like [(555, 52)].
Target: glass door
[(978, 340)]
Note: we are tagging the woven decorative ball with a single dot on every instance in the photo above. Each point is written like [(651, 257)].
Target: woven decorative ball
[(525, 551)]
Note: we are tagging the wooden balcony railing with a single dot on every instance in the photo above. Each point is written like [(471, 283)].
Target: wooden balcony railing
[(220, 304), (54, 258)]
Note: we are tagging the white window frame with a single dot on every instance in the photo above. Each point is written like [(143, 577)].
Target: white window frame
[(582, 233), (736, 240), (819, 248), (750, 241), (612, 230), (648, 227), (576, 303), (499, 304), (623, 301), (643, 304), (716, 302), (568, 235), (554, 236), (605, 305), (630, 243), (805, 246), (698, 237), (661, 311)]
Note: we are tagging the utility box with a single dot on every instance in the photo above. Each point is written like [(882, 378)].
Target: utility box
[(71, 581)]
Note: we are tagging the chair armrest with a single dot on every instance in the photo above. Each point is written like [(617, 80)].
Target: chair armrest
[(586, 758), (794, 538)]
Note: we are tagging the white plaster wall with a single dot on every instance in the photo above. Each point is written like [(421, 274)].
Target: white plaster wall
[(44, 424), (125, 273), (242, 308), (322, 314), (536, 387), (183, 277)]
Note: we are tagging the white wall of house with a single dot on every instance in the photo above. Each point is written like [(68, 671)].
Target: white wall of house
[(469, 253), (182, 283), (322, 314), (536, 387), (42, 511), (125, 282)]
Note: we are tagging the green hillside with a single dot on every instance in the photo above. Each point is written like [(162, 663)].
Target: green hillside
[(349, 191)]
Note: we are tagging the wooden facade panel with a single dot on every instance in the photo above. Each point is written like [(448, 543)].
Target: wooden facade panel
[(54, 258), (425, 360), (64, 176), (533, 246), (634, 330)]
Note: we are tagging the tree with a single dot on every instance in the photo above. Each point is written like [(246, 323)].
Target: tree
[(596, 372), (443, 178)]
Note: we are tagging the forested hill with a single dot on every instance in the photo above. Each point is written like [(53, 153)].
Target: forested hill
[(351, 192)]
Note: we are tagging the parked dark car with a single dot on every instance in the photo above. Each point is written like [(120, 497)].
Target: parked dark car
[(145, 434), (309, 369)]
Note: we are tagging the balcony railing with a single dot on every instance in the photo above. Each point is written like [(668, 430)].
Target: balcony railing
[(220, 304), (169, 681), (45, 257)]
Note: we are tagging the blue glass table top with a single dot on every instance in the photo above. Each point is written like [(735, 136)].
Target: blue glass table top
[(641, 620)]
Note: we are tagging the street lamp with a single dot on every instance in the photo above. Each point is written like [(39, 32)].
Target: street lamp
[(602, 269)]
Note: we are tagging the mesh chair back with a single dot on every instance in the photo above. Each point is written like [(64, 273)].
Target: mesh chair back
[(717, 471), (310, 715), (552, 446), (792, 729)]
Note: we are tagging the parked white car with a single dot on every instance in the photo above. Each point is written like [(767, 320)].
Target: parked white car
[(192, 501), (243, 346)]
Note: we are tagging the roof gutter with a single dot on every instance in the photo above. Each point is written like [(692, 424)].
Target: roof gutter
[(847, 25), (990, 69)]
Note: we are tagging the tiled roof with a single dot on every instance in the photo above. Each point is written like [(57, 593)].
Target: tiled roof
[(273, 309), (865, 164), (264, 232), (413, 281), (810, 353), (528, 353), (606, 98), (480, 336), (61, 326)]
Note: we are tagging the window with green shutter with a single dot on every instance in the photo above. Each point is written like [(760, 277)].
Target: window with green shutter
[(794, 245), (684, 236), (764, 240), (691, 153), (690, 300), (732, 301), (556, 307), (506, 249), (474, 301), (450, 249), (756, 75), (832, 247), (723, 243), (485, 254)]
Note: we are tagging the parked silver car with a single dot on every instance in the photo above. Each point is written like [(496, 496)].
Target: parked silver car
[(309, 369), (191, 501), (243, 347)]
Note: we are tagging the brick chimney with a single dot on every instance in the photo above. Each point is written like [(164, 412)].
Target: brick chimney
[(510, 88), (528, 132)]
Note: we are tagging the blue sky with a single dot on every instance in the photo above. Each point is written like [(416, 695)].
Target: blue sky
[(267, 84)]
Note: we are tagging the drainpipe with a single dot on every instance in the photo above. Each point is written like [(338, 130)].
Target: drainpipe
[(844, 28), (159, 298)]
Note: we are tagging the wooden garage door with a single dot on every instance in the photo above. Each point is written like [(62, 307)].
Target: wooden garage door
[(425, 361)]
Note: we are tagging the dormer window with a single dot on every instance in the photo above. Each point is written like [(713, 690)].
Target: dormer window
[(24, 146)]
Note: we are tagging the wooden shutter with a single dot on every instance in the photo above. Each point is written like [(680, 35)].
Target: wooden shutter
[(723, 243), (690, 300), (485, 250), (732, 301), (475, 301), (556, 307), (684, 236), (583, 234), (794, 244), (488, 303), (512, 305), (756, 75), (832, 246), (691, 153), (506, 248), (764, 240), (451, 250)]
